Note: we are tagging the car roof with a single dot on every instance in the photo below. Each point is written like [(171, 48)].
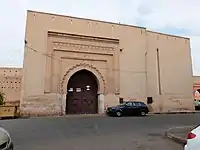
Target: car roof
[(139, 102), (136, 101)]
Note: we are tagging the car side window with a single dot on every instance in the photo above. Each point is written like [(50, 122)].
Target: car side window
[(133, 104), (139, 104), (129, 104), (143, 104), (136, 104)]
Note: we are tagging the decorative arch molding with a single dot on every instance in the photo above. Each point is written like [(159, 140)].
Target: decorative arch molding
[(100, 79)]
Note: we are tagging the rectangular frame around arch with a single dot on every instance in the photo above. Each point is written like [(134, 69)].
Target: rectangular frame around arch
[(64, 42)]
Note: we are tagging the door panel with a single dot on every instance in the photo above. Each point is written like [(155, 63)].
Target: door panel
[(134, 109), (83, 98), (128, 109)]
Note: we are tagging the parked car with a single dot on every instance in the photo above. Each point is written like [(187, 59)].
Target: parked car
[(5, 140), (128, 108), (193, 139), (197, 104)]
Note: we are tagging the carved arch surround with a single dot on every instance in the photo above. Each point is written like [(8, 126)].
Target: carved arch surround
[(100, 79)]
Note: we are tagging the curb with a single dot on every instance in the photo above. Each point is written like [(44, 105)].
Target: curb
[(99, 115), (55, 116), (67, 116), (175, 138), (178, 112)]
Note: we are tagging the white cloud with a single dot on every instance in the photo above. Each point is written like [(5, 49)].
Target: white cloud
[(179, 13), (154, 14)]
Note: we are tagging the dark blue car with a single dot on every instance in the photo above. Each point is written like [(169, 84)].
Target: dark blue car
[(130, 108)]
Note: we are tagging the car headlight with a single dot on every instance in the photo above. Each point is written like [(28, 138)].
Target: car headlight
[(4, 145), (112, 109)]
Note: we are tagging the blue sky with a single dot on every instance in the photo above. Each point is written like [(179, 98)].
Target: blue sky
[(179, 17)]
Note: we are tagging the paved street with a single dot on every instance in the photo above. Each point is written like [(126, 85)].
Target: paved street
[(96, 133)]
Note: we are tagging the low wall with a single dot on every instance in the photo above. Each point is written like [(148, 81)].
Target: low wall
[(54, 104), (41, 105), (170, 103)]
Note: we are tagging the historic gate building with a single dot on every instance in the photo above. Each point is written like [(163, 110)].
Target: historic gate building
[(76, 66)]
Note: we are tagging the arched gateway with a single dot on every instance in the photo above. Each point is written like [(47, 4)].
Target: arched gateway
[(84, 87), (82, 93)]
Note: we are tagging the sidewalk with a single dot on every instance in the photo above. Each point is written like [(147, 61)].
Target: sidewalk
[(69, 116), (104, 114), (179, 134)]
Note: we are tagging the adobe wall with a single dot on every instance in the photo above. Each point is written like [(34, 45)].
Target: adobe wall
[(196, 82), (10, 83), (62, 37), (172, 84), (123, 57)]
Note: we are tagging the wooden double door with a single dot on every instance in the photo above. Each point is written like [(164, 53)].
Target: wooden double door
[(82, 95)]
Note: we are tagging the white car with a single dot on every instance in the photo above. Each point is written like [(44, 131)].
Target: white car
[(193, 139), (5, 140)]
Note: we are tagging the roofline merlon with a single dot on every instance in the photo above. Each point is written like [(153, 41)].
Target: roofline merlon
[(10, 67), (100, 21), (168, 34)]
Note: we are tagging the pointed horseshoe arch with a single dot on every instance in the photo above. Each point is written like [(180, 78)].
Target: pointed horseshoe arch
[(100, 80)]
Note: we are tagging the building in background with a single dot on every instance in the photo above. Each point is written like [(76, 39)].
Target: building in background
[(74, 66), (10, 84), (197, 87)]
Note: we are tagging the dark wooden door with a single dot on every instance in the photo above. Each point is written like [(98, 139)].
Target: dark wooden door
[(82, 93)]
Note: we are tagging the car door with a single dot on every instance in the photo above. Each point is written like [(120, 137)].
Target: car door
[(128, 109), (134, 109)]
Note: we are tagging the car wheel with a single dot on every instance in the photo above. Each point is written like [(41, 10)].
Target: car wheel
[(143, 113), (119, 113)]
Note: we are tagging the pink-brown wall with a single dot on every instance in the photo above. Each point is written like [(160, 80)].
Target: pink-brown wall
[(10, 83), (137, 54), (196, 87)]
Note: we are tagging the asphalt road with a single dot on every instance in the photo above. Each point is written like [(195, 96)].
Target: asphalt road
[(96, 133)]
